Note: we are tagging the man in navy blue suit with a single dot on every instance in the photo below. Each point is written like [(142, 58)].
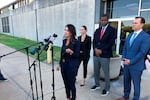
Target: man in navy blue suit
[(104, 38), (133, 56)]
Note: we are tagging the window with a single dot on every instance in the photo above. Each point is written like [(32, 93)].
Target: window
[(16, 5), (30, 1), (5, 24), (45, 3), (145, 4), (97, 11), (146, 15), (123, 8)]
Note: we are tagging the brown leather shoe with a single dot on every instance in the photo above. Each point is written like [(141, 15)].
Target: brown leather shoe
[(122, 99)]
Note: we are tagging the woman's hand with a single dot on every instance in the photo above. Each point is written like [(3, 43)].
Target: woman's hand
[(148, 56), (69, 51), (58, 67), (147, 63)]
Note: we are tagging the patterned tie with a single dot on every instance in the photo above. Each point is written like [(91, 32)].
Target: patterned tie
[(101, 33), (132, 38)]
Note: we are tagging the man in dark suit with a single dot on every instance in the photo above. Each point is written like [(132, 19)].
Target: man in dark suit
[(104, 38), (133, 56)]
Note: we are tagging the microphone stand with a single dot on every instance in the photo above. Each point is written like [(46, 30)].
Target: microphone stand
[(27, 53), (38, 58), (31, 83), (52, 56), (41, 83), (53, 79), (40, 73)]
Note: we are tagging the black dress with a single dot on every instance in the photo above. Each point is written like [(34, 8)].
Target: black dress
[(85, 47)]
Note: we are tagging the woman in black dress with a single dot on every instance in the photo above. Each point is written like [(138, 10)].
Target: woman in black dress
[(85, 47), (69, 60)]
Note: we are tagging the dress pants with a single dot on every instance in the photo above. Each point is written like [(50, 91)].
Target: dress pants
[(68, 72), (104, 63), (85, 60), (135, 76)]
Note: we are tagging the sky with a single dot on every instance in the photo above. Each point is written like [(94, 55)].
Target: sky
[(5, 2)]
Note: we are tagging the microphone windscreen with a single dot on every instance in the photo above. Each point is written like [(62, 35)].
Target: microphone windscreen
[(33, 51), (49, 55)]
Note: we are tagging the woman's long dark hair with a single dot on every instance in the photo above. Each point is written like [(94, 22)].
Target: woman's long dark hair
[(72, 30)]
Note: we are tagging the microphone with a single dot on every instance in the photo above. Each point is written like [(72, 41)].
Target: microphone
[(55, 35), (41, 43), (49, 54), (47, 39), (36, 49), (48, 47)]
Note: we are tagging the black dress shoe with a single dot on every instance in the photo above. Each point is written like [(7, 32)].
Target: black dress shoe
[(3, 79), (82, 84)]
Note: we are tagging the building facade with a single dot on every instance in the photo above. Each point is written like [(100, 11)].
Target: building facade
[(122, 13), (37, 19)]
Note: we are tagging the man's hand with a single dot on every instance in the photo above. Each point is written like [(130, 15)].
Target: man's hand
[(81, 51), (98, 52), (126, 61)]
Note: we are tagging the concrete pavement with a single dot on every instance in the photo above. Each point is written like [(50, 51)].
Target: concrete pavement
[(15, 69)]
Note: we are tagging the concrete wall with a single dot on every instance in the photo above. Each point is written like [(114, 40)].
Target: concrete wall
[(51, 19), (21, 22), (24, 25), (1, 26)]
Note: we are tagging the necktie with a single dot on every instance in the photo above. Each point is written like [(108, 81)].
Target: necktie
[(101, 33), (132, 38)]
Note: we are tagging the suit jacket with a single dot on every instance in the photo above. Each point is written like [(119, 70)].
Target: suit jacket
[(106, 43), (67, 58), (86, 45), (137, 51)]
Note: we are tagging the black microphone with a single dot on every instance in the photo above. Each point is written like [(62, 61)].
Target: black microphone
[(47, 39), (54, 35), (41, 43)]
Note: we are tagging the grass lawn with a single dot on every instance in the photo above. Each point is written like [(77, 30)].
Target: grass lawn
[(18, 43)]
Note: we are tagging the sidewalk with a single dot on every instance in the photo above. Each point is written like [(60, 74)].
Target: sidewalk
[(15, 69)]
